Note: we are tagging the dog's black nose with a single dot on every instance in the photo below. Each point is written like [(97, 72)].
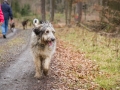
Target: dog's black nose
[(52, 39)]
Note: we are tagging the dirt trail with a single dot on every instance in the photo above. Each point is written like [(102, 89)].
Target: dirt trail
[(20, 75), (14, 77), (69, 70)]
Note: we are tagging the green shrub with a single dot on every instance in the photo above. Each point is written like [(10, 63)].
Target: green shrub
[(19, 10)]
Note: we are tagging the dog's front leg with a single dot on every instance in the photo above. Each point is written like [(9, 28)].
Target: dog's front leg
[(37, 62), (46, 65)]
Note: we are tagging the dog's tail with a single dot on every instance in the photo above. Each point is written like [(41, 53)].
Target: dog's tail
[(36, 22)]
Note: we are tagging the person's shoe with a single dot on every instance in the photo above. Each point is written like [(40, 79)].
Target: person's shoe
[(4, 36)]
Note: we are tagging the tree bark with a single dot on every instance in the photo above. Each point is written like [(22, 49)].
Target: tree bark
[(43, 14), (79, 12), (101, 12), (68, 10), (52, 3), (63, 2)]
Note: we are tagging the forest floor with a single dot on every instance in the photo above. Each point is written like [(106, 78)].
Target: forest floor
[(69, 69)]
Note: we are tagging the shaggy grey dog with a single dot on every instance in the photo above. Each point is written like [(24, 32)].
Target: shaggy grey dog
[(43, 45)]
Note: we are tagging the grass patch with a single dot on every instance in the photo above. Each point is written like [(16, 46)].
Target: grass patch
[(103, 50), (13, 42)]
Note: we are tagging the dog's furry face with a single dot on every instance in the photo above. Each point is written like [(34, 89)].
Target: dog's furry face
[(45, 33)]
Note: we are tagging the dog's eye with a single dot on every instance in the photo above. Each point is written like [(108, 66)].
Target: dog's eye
[(47, 31), (53, 32)]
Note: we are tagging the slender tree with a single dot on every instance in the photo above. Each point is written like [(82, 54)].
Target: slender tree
[(79, 12), (43, 14), (52, 3), (63, 2), (68, 10)]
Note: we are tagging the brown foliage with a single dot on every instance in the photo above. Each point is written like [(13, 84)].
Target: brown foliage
[(59, 25), (73, 69)]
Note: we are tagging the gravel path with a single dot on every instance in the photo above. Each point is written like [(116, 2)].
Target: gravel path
[(17, 71), (69, 70), (13, 45)]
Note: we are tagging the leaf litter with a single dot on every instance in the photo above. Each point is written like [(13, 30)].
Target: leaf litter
[(73, 69)]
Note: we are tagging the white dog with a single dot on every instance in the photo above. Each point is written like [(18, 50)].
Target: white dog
[(43, 45)]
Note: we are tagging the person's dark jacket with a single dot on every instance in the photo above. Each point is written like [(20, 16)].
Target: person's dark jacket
[(7, 11)]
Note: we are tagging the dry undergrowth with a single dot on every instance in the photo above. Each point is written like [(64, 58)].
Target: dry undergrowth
[(73, 69)]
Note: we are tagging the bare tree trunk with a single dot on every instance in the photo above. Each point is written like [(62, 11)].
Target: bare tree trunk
[(52, 3), (79, 12), (68, 10), (43, 15), (63, 2), (101, 13), (74, 8)]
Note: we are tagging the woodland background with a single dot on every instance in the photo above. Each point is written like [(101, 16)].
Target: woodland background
[(103, 13), (92, 27)]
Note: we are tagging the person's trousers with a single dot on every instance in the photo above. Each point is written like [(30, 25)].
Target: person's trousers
[(4, 27)]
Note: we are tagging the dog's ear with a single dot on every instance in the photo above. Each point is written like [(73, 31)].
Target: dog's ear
[(36, 31), (41, 21)]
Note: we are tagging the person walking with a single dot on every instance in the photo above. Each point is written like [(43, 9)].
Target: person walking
[(1, 16), (7, 12)]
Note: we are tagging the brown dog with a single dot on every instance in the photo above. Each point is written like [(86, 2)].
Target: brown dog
[(24, 23), (12, 26)]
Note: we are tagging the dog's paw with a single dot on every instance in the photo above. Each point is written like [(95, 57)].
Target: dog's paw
[(38, 76), (45, 71)]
